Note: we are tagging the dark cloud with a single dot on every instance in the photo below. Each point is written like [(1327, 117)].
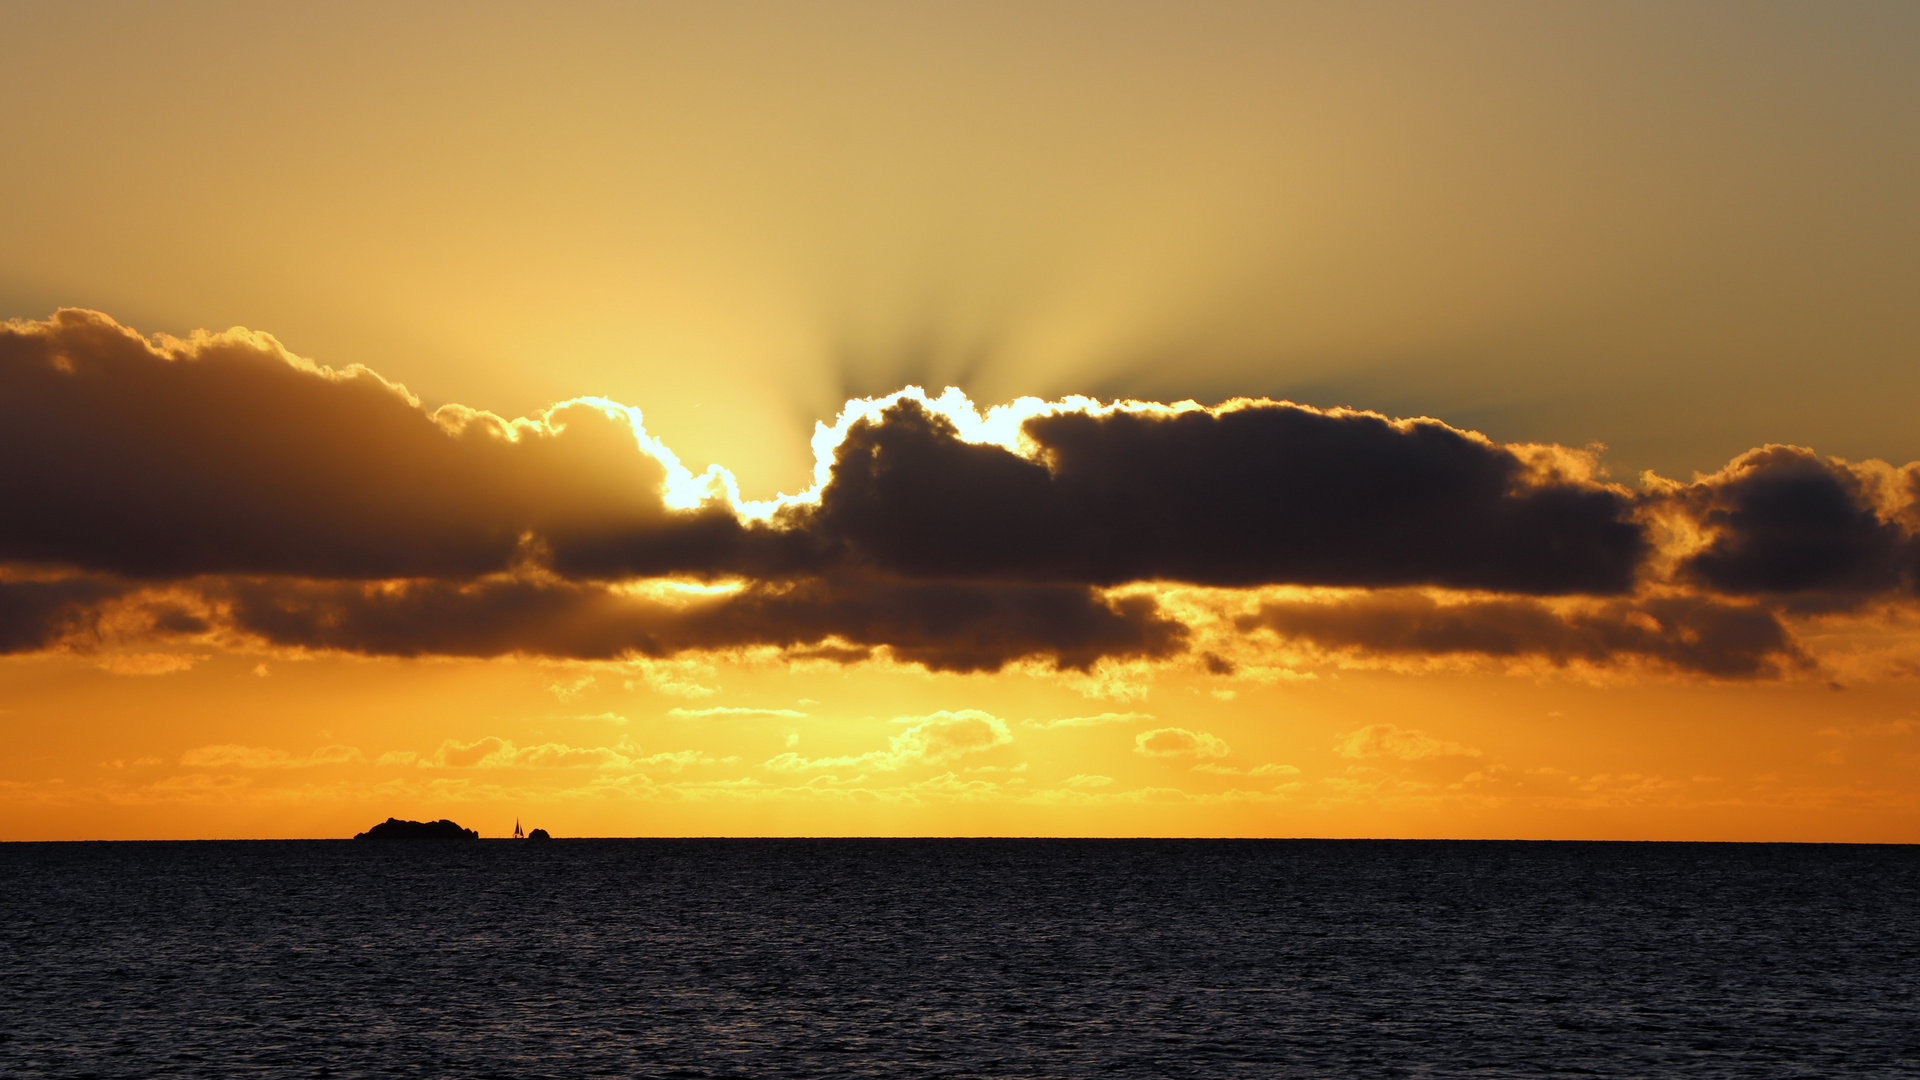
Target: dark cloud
[(327, 509), (227, 455), (1785, 521), (36, 615), (942, 626), (1685, 633), (956, 626), (1265, 493), (709, 542)]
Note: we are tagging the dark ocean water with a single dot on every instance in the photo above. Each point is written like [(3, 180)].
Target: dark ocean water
[(766, 958)]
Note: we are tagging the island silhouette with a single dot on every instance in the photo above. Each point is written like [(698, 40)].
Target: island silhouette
[(396, 829)]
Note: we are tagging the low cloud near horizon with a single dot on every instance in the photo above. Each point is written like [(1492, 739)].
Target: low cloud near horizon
[(221, 490)]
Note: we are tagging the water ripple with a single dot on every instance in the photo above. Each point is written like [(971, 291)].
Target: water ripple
[(949, 958)]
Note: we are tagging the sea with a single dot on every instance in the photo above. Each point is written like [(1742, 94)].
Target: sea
[(958, 958)]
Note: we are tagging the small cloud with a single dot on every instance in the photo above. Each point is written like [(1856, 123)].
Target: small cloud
[(233, 755), (675, 678), (944, 735), (481, 753), (1179, 742), (735, 710), (613, 718), (933, 739), (1258, 770), (1224, 695), (397, 757), (680, 759), (1087, 780), (1091, 721), (562, 756), (1388, 740), (793, 739), (494, 752), (568, 690), (676, 688), (260, 669), (146, 663)]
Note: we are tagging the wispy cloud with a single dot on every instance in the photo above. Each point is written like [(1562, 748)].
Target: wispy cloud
[(933, 739), (1179, 742), (1098, 720), (146, 663), (1087, 780), (493, 752), (734, 710), (234, 755), (1258, 770), (1392, 741)]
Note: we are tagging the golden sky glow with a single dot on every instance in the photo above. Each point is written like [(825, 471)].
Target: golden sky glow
[(528, 505)]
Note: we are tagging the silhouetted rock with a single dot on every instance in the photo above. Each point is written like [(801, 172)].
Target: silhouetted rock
[(539, 834), (395, 829)]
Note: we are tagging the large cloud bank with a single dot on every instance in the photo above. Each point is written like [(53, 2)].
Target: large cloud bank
[(221, 486)]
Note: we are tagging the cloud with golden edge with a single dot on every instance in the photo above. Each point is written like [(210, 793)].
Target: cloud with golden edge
[(933, 739), (235, 756), (1179, 742), (218, 491), (1393, 741)]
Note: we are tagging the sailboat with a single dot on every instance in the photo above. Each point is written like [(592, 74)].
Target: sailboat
[(517, 834)]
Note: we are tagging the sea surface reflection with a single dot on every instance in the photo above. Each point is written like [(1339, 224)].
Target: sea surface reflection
[(900, 958)]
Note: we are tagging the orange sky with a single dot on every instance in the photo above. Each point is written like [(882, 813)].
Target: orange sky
[(247, 589)]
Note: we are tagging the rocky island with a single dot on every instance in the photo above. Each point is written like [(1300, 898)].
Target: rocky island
[(395, 829)]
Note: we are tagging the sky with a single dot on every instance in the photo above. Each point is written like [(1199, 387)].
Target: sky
[(1486, 420)]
